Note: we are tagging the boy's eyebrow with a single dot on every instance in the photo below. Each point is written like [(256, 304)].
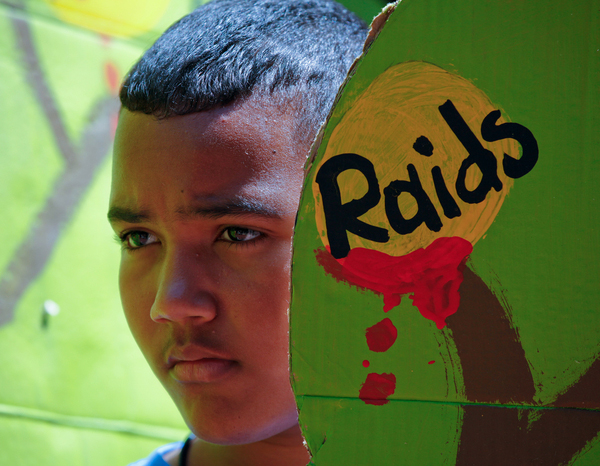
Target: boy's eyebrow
[(231, 208), (123, 214), (213, 211)]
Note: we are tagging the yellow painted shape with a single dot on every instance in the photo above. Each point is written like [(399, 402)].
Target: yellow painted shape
[(384, 123), (121, 18)]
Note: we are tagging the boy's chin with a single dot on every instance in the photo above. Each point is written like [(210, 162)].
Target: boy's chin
[(237, 434), (230, 428)]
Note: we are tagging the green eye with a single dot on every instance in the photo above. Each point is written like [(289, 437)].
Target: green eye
[(138, 239), (238, 235)]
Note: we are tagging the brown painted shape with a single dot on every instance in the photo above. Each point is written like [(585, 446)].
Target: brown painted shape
[(493, 361), (585, 393), (495, 370), (500, 436)]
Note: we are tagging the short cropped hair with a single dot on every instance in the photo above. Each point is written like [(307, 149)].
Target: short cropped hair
[(296, 52)]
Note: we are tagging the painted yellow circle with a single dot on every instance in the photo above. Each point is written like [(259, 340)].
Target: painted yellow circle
[(122, 18), (399, 106)]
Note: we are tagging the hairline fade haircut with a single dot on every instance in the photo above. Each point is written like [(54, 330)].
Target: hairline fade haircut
[(293, 52)]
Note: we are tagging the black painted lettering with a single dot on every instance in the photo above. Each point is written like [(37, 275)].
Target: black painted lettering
[(341, 218), (514, 168), (478, 155), (449, 205), (425, 213), (423, 146)]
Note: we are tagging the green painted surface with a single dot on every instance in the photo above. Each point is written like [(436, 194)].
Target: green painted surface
[(539, 62), (366, 9), (424, 433)]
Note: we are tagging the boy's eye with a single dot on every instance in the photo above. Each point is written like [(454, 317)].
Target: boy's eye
[(238, 234), (138, 239)]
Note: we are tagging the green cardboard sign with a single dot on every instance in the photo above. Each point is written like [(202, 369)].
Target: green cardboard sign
[(445, 273)]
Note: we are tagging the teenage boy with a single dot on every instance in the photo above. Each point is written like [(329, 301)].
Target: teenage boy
[(217, 120)]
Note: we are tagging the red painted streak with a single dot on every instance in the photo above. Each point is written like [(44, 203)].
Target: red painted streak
[(431, 362), (377, 388), (432, 274), (111, 75), (381, 336), (333, 268)]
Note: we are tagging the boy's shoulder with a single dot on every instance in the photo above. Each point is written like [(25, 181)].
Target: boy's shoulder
[(157, 457)]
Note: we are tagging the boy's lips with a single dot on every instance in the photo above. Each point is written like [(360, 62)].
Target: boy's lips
[(202, 370), (193, 365)]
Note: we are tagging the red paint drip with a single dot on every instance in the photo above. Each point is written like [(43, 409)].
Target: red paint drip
[(432, 274), (377, 388), (366, 363), (381, 336), (431, 362), (111, 74)]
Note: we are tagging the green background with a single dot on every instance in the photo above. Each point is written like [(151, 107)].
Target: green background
[(76, 391)]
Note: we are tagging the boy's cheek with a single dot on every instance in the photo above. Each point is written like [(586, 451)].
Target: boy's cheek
[(260, 270), (137, 300)]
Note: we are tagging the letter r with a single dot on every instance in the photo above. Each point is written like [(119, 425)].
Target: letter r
[(341, 218)]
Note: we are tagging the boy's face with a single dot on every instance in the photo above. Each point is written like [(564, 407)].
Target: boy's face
[(205, 205)]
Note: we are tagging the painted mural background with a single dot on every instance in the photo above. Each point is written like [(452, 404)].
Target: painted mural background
[(74, 388), (446, 263)]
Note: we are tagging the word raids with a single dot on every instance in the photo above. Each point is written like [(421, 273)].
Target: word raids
[(342, 218)]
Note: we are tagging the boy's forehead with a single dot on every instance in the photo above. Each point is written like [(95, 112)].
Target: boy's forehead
[(229, 127), (225, 152)]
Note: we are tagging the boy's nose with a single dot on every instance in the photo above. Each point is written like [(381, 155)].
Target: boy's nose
[(185, 289)]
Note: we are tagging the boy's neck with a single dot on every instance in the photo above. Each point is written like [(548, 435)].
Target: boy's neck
[(284, 449)]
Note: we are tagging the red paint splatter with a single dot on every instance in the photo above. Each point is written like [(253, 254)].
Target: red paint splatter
[(105, 39), (366, 363), (381, 336), (432, 274), (335, 269), (431, 362), (111, 74), (377, 388)]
